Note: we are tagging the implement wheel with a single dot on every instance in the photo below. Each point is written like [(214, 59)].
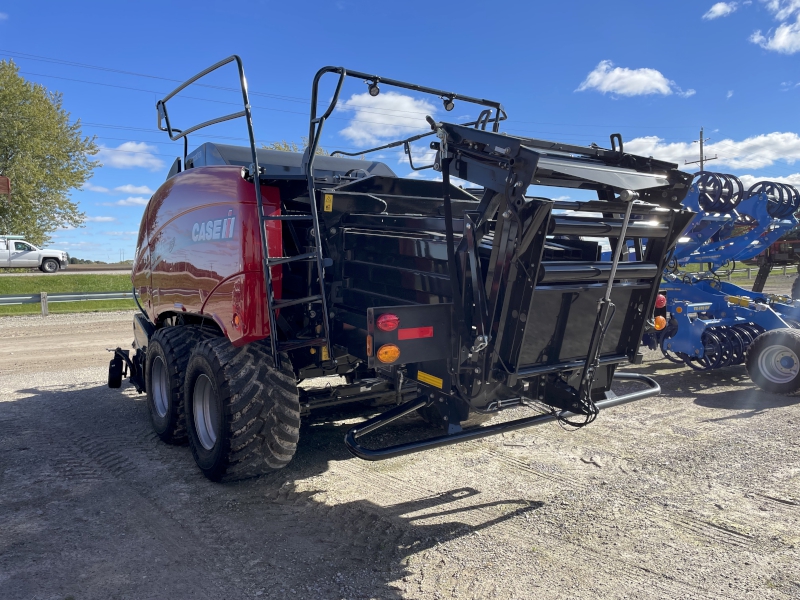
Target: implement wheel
[(796, 287), (167, 356), (773, 361), (243, 414)]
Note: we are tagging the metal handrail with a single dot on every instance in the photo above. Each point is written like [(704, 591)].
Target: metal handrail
[(176, 134)]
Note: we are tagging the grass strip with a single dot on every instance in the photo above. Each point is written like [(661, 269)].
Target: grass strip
[(68, 307), (53, 284)]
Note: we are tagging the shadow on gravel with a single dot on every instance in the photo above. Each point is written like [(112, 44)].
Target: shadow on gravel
[(93, 505), (748, 397)]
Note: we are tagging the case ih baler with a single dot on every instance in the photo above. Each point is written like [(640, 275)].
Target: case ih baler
[(257, 269)]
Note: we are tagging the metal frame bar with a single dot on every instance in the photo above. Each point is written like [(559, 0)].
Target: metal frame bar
[(475, 433), (315, 127), (176, 134)]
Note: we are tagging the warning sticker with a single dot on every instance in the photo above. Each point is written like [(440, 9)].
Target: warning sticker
[(328, 205), (429, 379)]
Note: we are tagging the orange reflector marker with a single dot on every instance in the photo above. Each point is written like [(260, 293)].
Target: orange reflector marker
[(387, 322), (369, 345), (388, 353), (414, 333), (660, 323)]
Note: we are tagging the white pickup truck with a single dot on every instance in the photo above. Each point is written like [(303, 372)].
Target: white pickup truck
[(16, 252)]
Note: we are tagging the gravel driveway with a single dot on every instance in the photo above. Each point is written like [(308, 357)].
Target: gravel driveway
[(694, 494)]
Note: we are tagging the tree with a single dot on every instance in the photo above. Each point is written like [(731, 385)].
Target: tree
[(44, 156), (285, 146)]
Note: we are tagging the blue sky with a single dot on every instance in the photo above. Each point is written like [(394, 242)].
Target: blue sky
[(570, 71)]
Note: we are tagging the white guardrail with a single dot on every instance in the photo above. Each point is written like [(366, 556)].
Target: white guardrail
[(44, 298)]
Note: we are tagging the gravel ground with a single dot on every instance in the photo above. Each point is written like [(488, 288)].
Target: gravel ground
[(694, 494)]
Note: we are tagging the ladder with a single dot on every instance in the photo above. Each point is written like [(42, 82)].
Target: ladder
[(314, 255)]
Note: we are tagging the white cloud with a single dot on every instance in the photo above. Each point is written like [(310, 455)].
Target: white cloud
[(755, 152), (629, 82), (121, 233), (129, 155), (100, 219), (729, 95), (133, 189), (720, 9), (131, 201), (389, 115), (783, 9), (749, 180), (3, 16), (95, 188), (786, 37)]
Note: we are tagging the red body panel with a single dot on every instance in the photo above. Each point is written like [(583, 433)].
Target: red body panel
[(199, 251)]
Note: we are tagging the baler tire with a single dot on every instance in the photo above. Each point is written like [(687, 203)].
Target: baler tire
[(172, 347), (796, 287), (773, 361), (243, 414)]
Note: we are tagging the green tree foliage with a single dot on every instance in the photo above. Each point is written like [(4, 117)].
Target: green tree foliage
[(285, 146), (44, 156)]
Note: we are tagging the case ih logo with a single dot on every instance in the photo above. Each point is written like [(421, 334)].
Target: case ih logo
[(221, 229)]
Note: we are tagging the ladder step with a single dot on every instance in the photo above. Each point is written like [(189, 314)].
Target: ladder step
[(289, 218), (295, 344), (289, 259), (293, 301)]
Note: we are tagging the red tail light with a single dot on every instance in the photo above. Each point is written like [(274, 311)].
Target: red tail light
[(415, 333), (661, 301), (388, 322)]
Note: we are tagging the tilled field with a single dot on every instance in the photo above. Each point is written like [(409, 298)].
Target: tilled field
[(694, 494)]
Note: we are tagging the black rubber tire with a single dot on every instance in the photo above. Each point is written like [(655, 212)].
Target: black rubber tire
[(796, 288), (259, 408), (50, 265), (115, 373), (173, 346), (788, 338)]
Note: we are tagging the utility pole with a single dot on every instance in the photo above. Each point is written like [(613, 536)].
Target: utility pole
[(703, 158)]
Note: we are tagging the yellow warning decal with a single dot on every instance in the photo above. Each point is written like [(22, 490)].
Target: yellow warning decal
[(429, 379), (328, 206), (324, 353)]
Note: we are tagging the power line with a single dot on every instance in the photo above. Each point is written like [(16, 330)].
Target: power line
[(286, 98)]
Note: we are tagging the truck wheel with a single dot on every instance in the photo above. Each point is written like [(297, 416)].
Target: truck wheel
[(796, 287), (167, 356), (773, 361), (243, 414), (49, 265)]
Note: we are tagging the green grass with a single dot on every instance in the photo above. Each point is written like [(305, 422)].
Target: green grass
[(68, 307), (53, 284)]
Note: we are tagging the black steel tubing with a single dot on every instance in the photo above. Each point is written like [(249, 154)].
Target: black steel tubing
[(600, 227), (563, 271), (478, 432)]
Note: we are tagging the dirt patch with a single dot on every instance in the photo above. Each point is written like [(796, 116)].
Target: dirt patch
[(694, 494)]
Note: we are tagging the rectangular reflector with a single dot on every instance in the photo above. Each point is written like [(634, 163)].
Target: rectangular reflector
[(414, 333)]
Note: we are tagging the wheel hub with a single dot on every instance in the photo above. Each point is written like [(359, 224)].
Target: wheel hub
[(206, 412), (779, 364), (160, 387)]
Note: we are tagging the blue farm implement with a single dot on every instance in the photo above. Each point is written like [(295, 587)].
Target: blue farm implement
[(708, 323)]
